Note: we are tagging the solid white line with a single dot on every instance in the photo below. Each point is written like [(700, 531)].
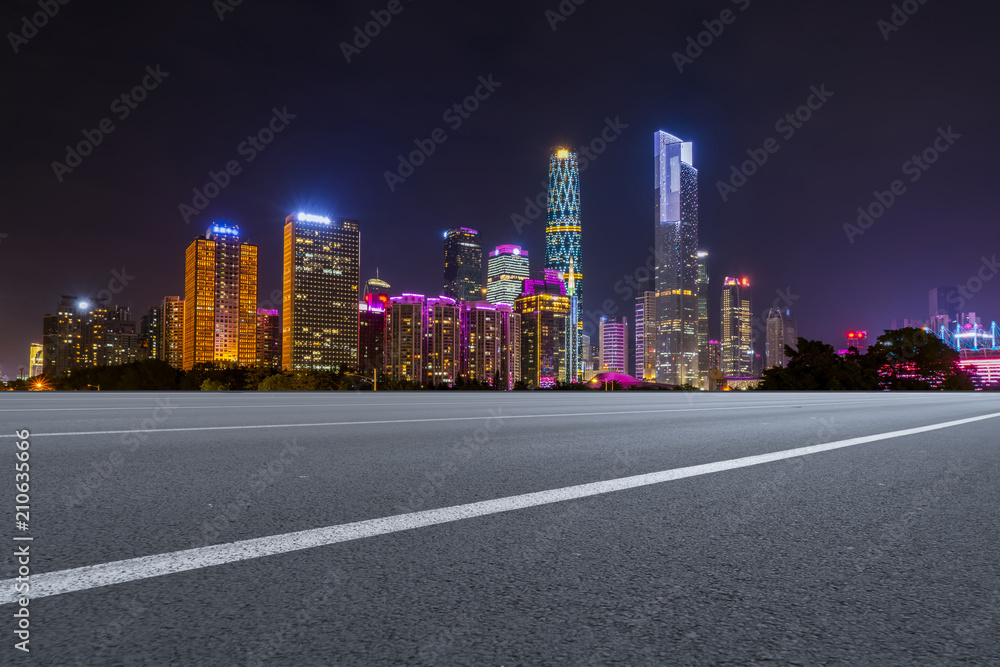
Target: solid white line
[(146, 567), (244, 427)]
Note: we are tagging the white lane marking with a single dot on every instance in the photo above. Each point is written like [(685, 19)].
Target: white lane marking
[(146, 567), (243, 427)]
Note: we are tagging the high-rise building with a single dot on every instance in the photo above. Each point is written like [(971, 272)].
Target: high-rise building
[(220, 298), (463, 264), (404, 336), (36, 362), (77, 336), (614, 346), (268, 338), (703, 361), (371, 331), (645, 337), (443, 341), (320, 293), (506, 271), (714, 355), (944, 306), (375, 286), (563, 231), (491, 344), (544, 308), (676, 249), (151, 334), (172, 342), (587, 358), (782, 330), (121, 339), (857, 339), (737, 329)]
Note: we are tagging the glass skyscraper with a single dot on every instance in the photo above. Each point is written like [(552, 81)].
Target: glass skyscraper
[(737, 329), (563, 229), (676, 261), (463, 265), (506, 271), (703, 357), (320, 293)]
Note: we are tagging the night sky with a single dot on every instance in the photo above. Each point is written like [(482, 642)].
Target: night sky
[(784, 229)]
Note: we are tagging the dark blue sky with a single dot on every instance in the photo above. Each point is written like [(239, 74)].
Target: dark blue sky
[(119, 209)]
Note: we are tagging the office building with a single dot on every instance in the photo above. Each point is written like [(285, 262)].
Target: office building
[(676, 247), (782, 330), (36, 362), (563, 231), (220, 299), (703, 283), (150, 334), (268, 338), (714, 355), (375, 286), (614, 346), (737, 330), (506, 271), (371, 331), (645, 337), (172, 342), (544, 309), (463, 265), (320, 293), (121, 340)]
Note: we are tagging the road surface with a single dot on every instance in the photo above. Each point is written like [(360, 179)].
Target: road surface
[(482, 528)]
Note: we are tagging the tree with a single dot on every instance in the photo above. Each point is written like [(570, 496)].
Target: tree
[(213, 385), (914, 359), (817, 366), (279, 382)]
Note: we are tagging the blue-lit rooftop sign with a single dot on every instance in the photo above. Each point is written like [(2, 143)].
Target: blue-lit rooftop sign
[(308, 217), (229, 230)]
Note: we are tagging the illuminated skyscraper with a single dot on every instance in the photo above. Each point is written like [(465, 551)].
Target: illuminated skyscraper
[(491, 344), (375, 286), (614, 346), (703, 356), (371, 330), (544, 308), (676, 261), (781, 331), (564, 229), (76, 336), (268, 338), (35, 360), (737, 330), (443, 341), (151, 334), (463, 265), (645, 337), (404, 336), (320, 293), (172, 344), (506, 271), (220, 297)]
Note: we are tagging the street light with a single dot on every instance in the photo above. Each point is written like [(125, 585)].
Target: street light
[(373, 379), (95, 385)]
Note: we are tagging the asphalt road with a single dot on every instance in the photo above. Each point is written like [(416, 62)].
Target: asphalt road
[(875, 551)]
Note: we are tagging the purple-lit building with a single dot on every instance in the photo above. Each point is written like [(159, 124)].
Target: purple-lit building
[(371, 332), (506, 271), (491, 344)]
